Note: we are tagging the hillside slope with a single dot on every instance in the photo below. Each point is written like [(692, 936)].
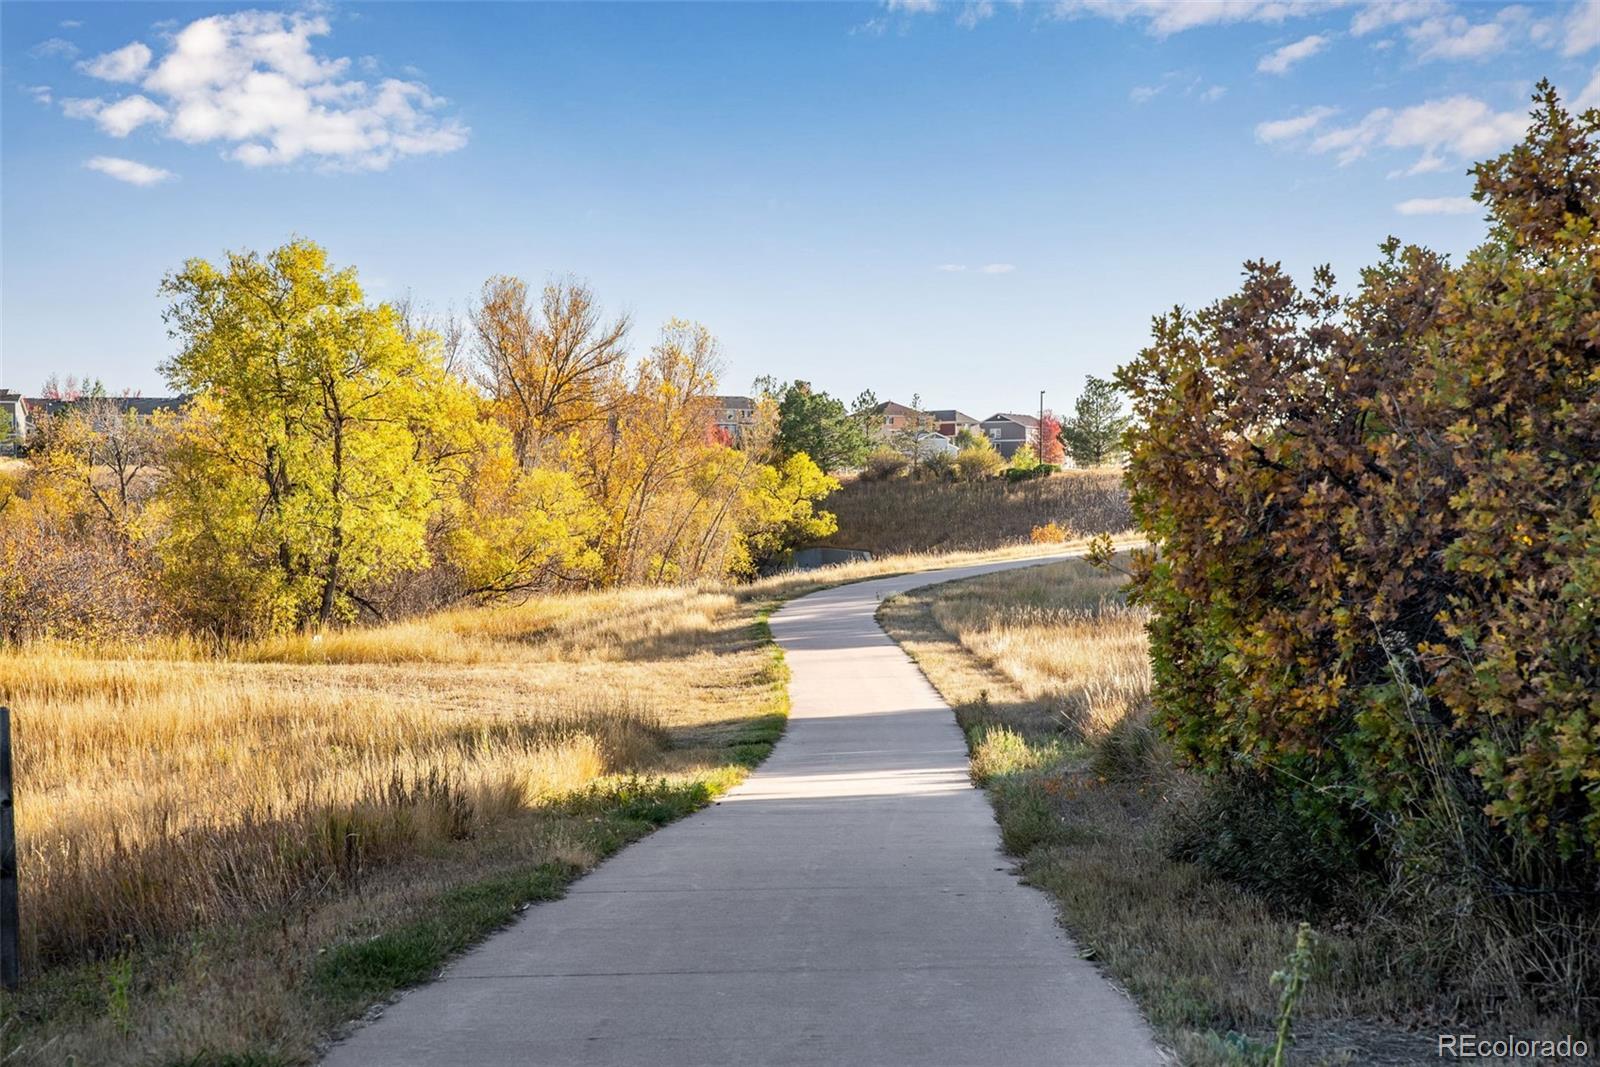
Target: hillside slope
[(901, 515)]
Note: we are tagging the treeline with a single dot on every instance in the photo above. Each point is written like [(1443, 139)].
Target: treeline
[(1376, 581), (339, 458)]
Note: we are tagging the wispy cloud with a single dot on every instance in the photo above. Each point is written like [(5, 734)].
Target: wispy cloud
[(40, 93), (1460, 126), (1162, 18), (951, 268), (118, 119), (1143, 94), (997, 268), (1438, 205), (53, 48), (1279, 61), (123, 65), (974, 12), (126, 170), (1295, 126), (1381, 14), (253, 82), (1455, 37), (1581, 31)]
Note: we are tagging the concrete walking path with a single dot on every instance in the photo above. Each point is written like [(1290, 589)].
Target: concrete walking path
[(847, 904)]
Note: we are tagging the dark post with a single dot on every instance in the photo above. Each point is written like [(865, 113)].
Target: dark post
[(10, 940)]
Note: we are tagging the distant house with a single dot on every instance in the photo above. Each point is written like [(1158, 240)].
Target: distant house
[(1010, 431), (893, 418), (949, 421), (928, 444), (13, 421), (734, 415)]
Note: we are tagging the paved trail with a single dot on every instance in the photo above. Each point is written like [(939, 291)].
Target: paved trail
[(848, 904)]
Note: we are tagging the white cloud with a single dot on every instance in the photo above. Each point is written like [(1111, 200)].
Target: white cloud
[(1214, 93), (1164, 17), (69, 24), (1381, 14), (1143, 94), (974, 12), (75, 108), (1280, 61), (128, 114), (952, 268), (126, 170), (1456, 38), (1460, 126), (997, 268), (117, 119), (124, 65), (1582, 28), (40, 93), (913, 7), (1438, 205), (251, 82), (53, 48), (1350, 143), (1590, 95), (1294, 126), (1463, 125)]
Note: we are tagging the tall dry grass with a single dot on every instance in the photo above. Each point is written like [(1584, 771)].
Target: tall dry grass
[(170, 784), (905, 515)]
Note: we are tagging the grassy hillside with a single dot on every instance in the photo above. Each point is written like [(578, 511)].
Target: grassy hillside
[(902, 515), (227, 852)]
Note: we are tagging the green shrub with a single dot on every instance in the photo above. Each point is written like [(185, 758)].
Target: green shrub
[(1254, 835), (1025, 459)]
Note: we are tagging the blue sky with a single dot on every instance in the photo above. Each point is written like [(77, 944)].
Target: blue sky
[(970, 201)]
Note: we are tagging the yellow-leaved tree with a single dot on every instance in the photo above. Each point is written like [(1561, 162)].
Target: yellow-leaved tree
[(298, 475)]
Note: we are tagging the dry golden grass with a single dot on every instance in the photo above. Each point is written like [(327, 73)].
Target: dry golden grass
[(160, 793), (174, 793)]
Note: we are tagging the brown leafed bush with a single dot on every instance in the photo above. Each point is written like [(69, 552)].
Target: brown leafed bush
[(1378, 555)]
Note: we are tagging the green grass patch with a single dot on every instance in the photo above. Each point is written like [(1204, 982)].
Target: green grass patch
[(353, 975)]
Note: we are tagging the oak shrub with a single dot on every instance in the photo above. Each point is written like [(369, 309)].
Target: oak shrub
[(1376, 573)]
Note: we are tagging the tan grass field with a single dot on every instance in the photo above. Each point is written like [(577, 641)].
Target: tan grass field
[(1048, 670), (197, 824)]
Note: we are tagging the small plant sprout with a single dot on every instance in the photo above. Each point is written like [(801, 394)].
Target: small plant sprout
[(1296, 970)]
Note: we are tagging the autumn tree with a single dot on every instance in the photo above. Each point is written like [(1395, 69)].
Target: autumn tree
[(548, 370), (976, 456), (1093, 434), (296, 476), (111, 451), (1051, 449)]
